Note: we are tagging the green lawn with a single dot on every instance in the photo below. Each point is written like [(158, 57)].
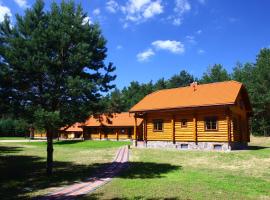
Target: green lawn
[(152, 173), (172, 174), (22, 165), (13, 138)]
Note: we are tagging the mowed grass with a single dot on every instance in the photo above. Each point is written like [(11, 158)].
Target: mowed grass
[(22, 165), (13, 138), (172, 174)]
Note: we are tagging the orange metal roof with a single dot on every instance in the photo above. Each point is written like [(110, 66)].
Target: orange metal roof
[(221, 93), (73, 128), (117, 119)]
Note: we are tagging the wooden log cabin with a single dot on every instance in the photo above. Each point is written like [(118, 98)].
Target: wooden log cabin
[(117, 126), (71, 132), (199, 116)]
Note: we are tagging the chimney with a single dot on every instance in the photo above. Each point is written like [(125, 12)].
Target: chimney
[(194, 86)]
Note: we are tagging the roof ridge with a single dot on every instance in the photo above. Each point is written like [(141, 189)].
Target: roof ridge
[(203, 84)]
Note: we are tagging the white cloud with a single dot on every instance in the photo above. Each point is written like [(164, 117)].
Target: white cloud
[(4, 11), (201, 51), (181, 7), (170, 45), (177, 21), (199, 32), (145, 55), (141, 10), (191, 39), (96, 11), (22, 3), (125, 25), (87, 20), (112, 6), (153, 9)]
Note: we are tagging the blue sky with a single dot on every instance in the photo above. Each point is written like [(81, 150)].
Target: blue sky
[(151, 39)]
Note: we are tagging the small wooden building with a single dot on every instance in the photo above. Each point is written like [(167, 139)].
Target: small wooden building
[(71, 132), (118, 126), (206, 116)]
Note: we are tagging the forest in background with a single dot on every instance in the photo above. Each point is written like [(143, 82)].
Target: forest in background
[(255, 76)]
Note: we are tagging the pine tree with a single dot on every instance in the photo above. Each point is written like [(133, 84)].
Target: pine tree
[(55, 61), (216, 73)]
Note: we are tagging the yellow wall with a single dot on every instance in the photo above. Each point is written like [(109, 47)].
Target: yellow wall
[(109, 133), (172, 121), (239, 114), (166, 134)]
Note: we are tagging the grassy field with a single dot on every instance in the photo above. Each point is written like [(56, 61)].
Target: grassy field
[(22, 165), (152, 173), (13, 138), (172, 174)]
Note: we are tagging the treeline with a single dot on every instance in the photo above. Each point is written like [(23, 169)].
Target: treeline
[(255, 76), (13, 127)]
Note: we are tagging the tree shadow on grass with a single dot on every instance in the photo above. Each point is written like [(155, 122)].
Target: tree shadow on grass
[(9, 149), (64, 142), (256, 147), (147, 170), (23, 174)]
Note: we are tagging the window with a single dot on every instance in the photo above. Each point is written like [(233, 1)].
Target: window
[(183, 123), (211, 124), (158, 125)]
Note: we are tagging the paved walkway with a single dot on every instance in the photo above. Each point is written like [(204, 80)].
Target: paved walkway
[(103, 177)]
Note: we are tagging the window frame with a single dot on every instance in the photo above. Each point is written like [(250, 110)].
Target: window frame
[(158, 121), (186, 121), (205, 124)]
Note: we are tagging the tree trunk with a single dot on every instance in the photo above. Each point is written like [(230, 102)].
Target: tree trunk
[(49, 151)]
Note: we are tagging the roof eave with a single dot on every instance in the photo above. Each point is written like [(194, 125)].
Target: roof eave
[(180, 108)]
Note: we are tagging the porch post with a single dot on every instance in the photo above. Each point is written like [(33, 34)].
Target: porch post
[(145, 128), (117, 134), (99, 133), (173, 129), (135, 130), (195, 129), (228, 117)]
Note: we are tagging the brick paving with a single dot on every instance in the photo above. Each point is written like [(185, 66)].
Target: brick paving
[(91, 184)]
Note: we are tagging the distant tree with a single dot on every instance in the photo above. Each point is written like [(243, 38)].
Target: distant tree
[(135, 92), (180, 80), (216, 73), (160, 84), (54, 61), (115, 102), (243, 74), (260, 93)]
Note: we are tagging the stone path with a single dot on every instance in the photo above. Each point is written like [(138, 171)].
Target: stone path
[(103, 177)]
